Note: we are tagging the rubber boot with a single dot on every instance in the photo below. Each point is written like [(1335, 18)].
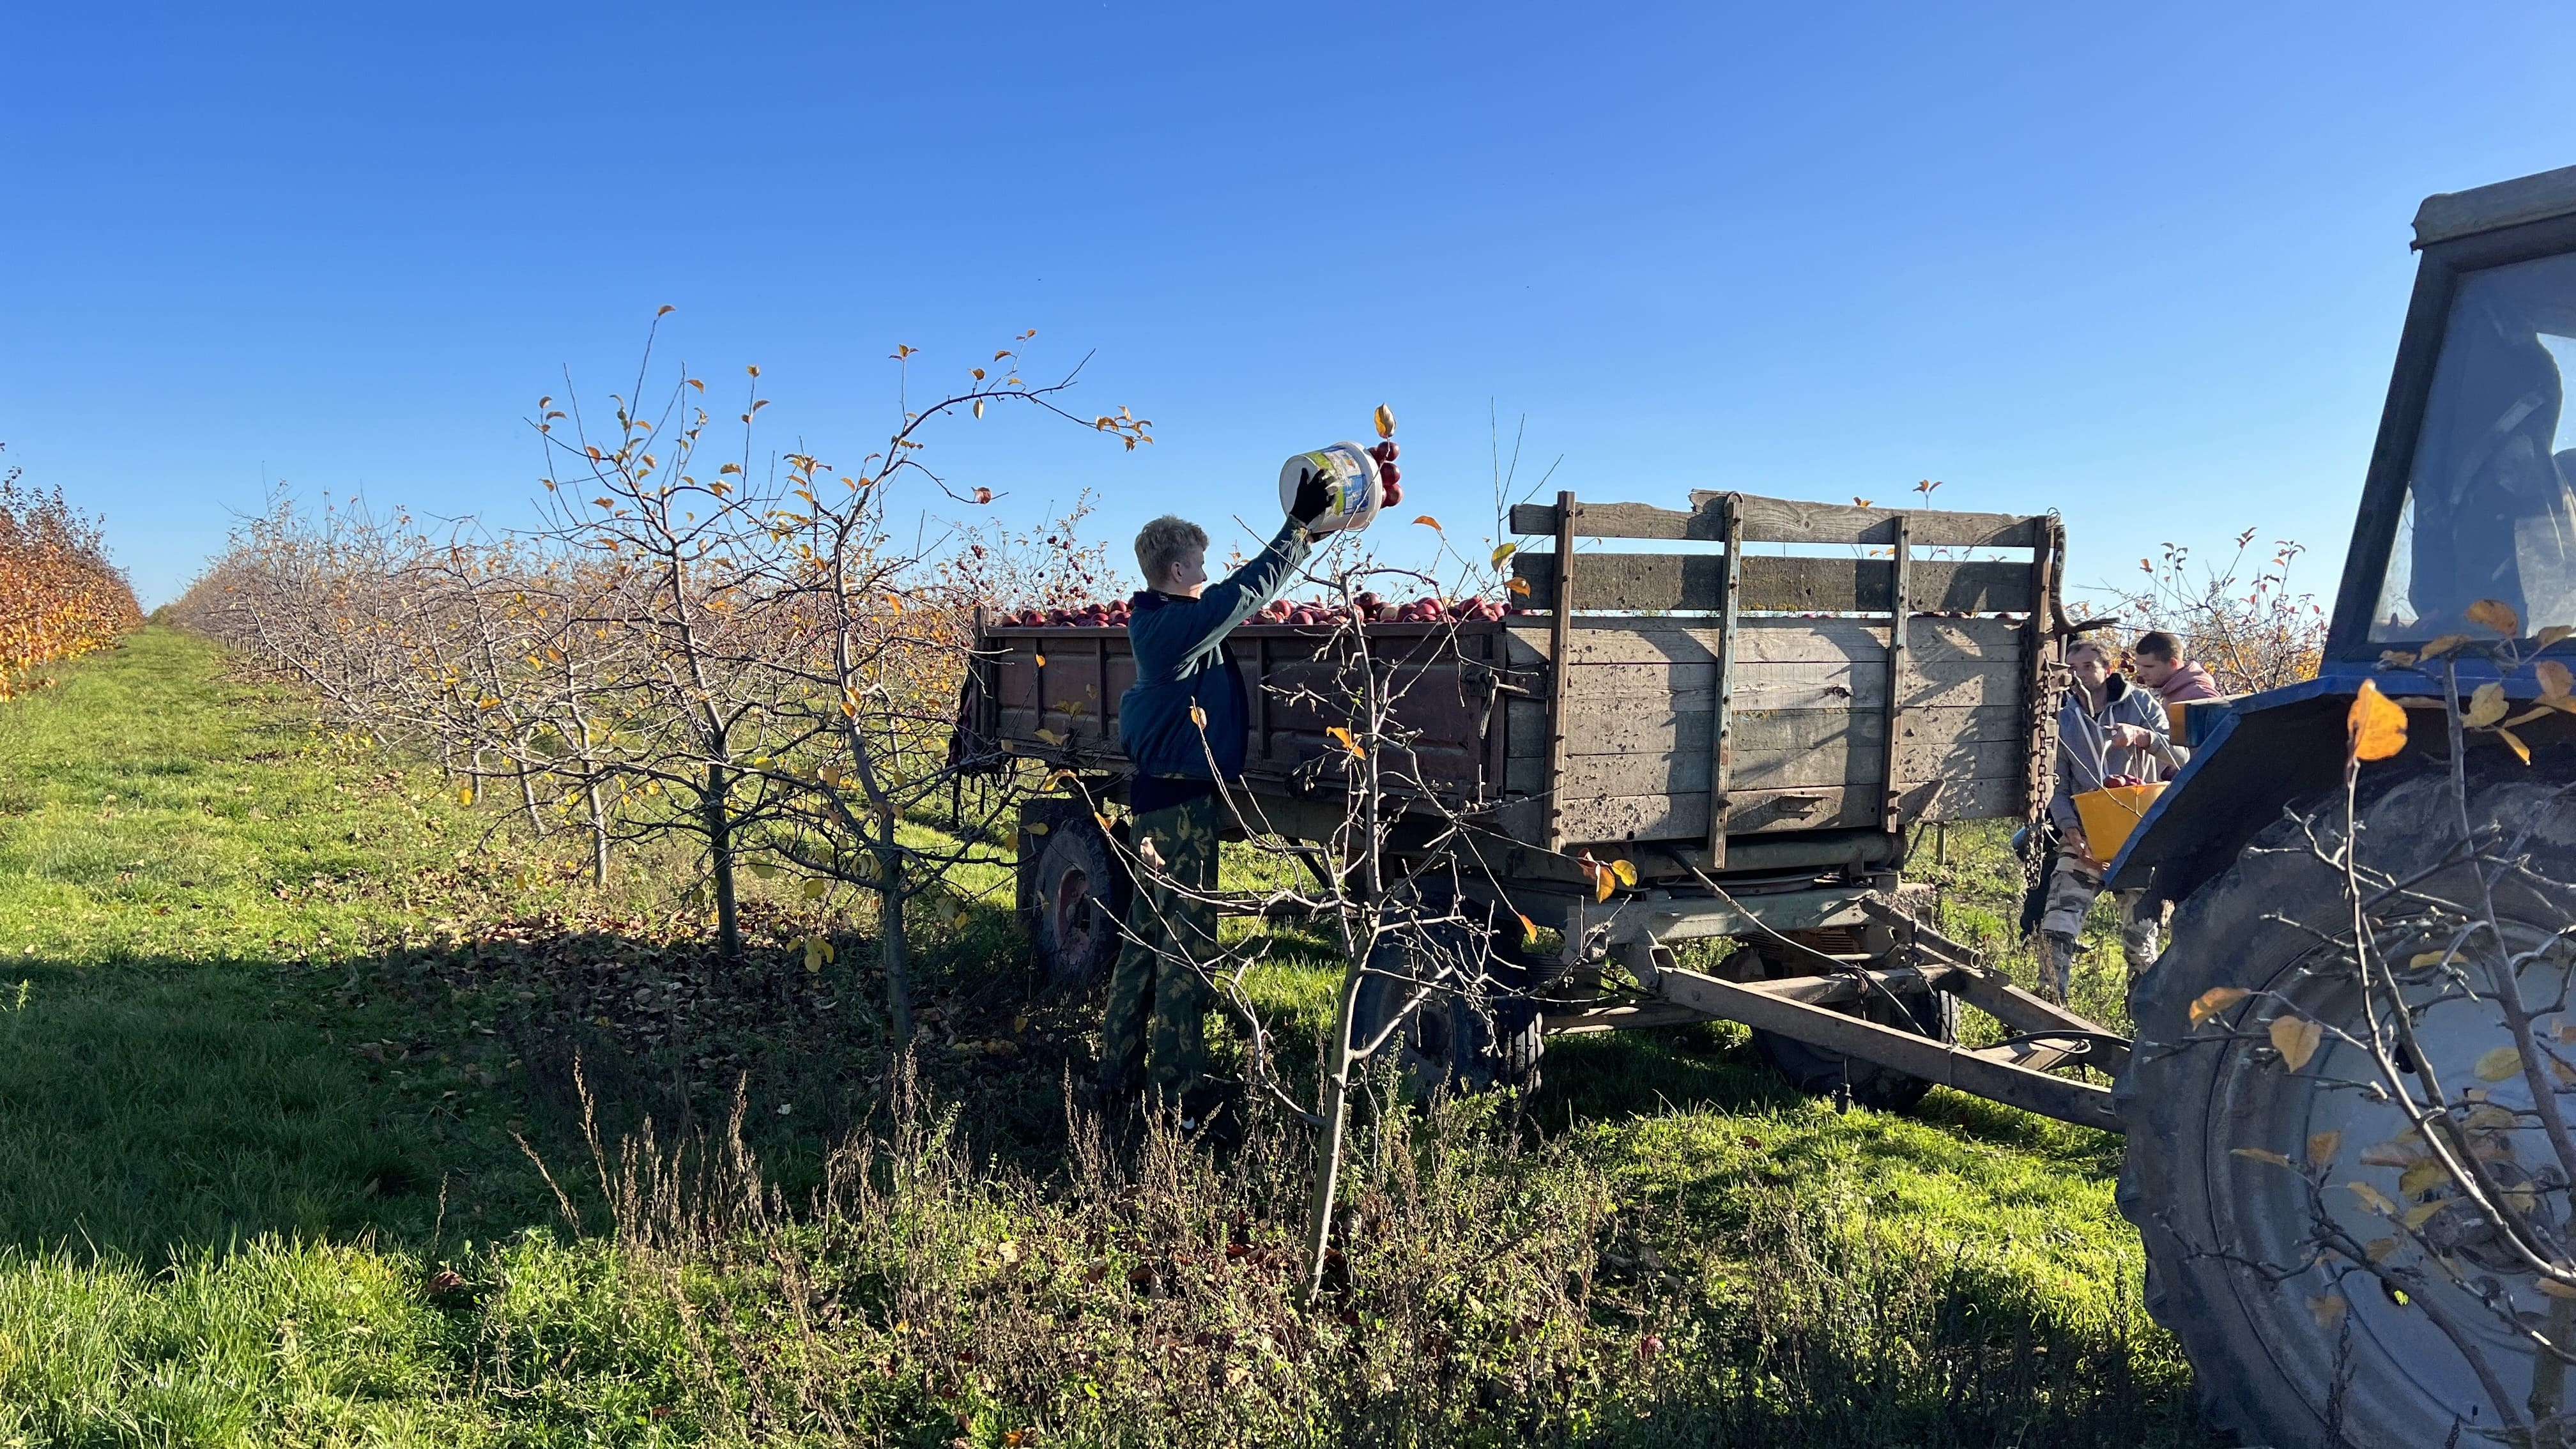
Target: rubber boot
[(2057, 967)]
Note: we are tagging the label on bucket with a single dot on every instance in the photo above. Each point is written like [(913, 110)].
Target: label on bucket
[(1355, 486)]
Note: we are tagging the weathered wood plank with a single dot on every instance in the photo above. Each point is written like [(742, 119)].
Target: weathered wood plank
[(1782, 520), (1646, 697), (1639, 641), (1653, 582), (1627, 818), (1801, 685), (1781, 750), (1788, 520)]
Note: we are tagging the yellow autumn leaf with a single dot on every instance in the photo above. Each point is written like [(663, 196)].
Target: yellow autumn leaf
[(1518, 586), (2554, 633), (2215, 1000), (1626, 872), (2422, 959), (2422, 1212), (464, 794), (2322, 1147), (1429, 522), (2396, 1152), (2441, 646), (2372, 1198), (2396, 658), (1344, 738), (2498, 615), (815, 888), (2488, 1117), (2499, 1063), (1105, 822), (1053, 737), (2328, 1310), (2556, 679), (1603, 882), (2514, 742), (2551, 1287), (2263, 1154), (1385, 420), (2486, 705), (1036, 827), (2422, 1178), (2375, 726), (1198, 716), (2295, 1038), (1503, 551), (1529, 931)]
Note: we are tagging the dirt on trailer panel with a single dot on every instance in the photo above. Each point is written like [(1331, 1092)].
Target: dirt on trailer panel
[(1808, 725)]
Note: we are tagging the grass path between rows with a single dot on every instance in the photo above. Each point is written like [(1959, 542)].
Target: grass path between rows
[(263, 1065)]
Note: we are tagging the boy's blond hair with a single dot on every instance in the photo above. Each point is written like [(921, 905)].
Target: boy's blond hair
[(1161, 544)]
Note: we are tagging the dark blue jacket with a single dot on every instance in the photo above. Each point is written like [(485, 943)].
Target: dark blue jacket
[(1179, 646)]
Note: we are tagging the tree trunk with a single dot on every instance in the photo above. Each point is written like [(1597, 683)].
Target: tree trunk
[(898, 950), (598, 832), (1330, 1136), (528, 798), (720, 864)]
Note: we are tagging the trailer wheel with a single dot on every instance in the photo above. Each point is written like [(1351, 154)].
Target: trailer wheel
[(2230, 1239), (1822, 1073), (1451, 1043), (1073, 891)]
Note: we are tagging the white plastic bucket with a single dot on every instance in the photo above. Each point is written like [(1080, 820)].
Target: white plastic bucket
[(1355, 486)]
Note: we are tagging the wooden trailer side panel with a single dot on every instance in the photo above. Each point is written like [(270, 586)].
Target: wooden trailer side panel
[(1055, 695), (1808, 721)]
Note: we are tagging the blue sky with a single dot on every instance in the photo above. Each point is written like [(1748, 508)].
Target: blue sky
[(2144, 265)]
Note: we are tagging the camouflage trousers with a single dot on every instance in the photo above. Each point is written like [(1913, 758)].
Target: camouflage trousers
[(1159, 995), (2072, 889)]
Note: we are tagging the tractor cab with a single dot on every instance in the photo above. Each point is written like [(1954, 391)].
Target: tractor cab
[(2471, 496)]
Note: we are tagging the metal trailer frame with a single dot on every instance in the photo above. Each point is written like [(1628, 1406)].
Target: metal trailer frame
[(1792, 893)]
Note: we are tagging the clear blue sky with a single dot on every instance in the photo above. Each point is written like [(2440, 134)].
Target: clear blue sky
[(2142, 264)]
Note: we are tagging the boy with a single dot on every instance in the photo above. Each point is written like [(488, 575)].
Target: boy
[(1183, 723)]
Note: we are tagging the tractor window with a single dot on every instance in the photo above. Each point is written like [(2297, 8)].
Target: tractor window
[(2490, 513)]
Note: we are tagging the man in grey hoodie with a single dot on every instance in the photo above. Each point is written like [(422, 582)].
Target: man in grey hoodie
[(2107, 727)]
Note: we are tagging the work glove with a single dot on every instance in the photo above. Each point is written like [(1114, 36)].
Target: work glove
[(1314, 497)]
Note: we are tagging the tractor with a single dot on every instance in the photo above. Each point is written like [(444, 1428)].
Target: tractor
[(2346, 1263)]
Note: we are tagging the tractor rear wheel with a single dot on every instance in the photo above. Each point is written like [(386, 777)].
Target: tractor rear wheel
[(2301, 1348)]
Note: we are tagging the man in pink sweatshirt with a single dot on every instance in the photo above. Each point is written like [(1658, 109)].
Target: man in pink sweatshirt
[(2161, 667)]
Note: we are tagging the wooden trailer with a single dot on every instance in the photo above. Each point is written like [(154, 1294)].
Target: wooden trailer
[(1758, 703)]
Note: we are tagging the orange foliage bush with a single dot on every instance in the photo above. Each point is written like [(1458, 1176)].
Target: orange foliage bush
[(59, 596)]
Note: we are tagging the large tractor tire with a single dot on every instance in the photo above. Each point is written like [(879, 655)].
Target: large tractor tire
[(1819, 1072), (1451, 1042), (2231, 1238), (1073, 893)]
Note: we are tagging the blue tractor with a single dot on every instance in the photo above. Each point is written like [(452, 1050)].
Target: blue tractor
[(2347, 1153)]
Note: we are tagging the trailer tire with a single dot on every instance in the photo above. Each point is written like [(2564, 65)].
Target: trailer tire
[(1452, 1043), (1073, 893), (2215, 1223), (1822, 1073)]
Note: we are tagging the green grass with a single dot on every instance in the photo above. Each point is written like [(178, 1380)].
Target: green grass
[(288, 1007)]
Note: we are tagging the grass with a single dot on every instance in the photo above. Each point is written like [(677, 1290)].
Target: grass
[(288, 1009)]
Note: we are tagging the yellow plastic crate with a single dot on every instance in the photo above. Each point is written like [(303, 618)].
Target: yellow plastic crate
[(2110, 813)]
